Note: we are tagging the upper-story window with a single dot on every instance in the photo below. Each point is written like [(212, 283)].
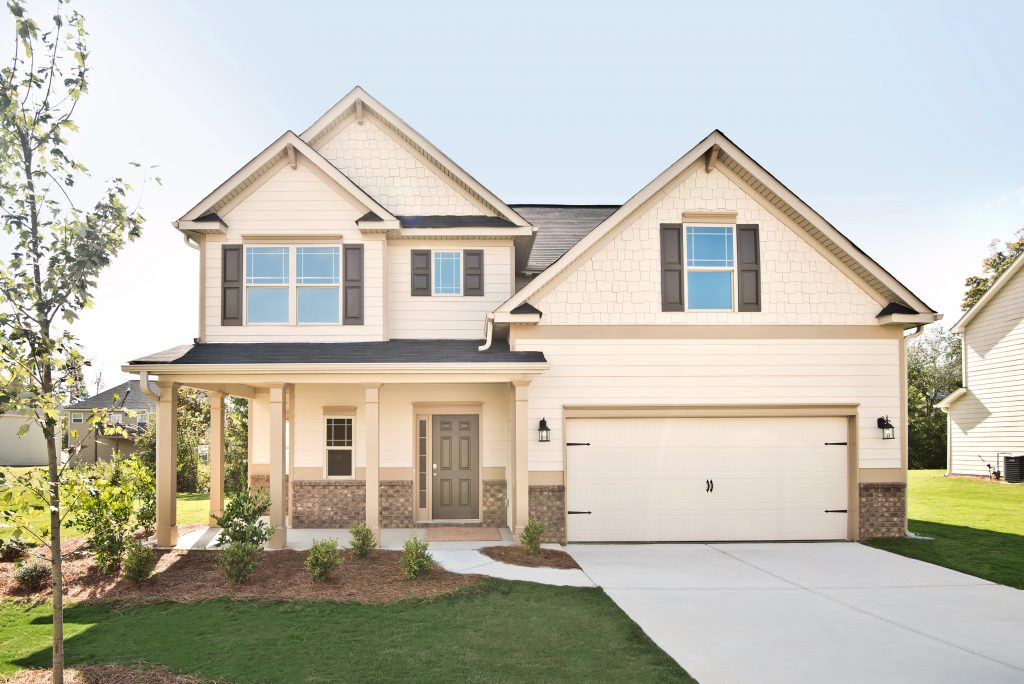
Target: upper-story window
[(317, 277), (710, 268), (274, 296), (447, 273), (267, 284)]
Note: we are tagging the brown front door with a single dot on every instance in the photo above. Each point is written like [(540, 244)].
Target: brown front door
[(456, 467)]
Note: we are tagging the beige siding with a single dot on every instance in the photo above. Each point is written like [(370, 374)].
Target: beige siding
[(621, 283), (451, 317), (990, 418), (296, 202), (28, 450), (727, 371)]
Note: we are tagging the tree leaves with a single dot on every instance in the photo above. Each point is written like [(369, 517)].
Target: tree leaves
[(993, 266)]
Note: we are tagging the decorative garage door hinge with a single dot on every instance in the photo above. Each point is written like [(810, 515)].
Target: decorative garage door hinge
[(578, 512), (835, 444), (577, 444), (835, 510)]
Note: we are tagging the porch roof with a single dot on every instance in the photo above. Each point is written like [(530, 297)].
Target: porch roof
[(392, 351)]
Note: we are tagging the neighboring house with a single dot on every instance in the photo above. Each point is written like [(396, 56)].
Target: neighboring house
[(709, 361), (127, 407), (986, 415), (22, 450)]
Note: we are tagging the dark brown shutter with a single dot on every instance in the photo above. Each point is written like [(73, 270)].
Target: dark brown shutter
[(748, 267), (421, 273), (231, 285), (352, 285), (473, 273), (672, 271)]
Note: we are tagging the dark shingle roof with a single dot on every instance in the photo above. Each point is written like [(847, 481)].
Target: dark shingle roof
[(454, 222), (559, 227), (129, 396), (393, 351)]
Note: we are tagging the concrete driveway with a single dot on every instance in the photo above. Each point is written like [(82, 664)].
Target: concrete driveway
[(826, 612)]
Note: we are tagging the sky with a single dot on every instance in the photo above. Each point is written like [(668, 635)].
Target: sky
[(899, 122)]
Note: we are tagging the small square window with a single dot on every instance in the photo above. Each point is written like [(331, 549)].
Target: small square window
[(266, 265), (266, 304), (316, 265), (318, 304), (339, 463), (709, 247), (709, 290), (77, 418), (447, 273)]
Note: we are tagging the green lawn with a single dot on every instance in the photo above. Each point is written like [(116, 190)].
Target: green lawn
[(501, 631), (977, 526)]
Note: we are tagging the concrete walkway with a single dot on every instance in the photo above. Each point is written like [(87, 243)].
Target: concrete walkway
[(828, 612)]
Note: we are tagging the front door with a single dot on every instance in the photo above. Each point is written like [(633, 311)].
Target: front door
[(456, 467)]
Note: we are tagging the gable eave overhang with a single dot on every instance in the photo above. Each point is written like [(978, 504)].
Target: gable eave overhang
[(993, 291), (369, 105), (198, 218), (946, 403), (717, 149)]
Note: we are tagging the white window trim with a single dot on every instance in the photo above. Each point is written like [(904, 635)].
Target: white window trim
[(294, 315), (77, 417), (433, 273), (709, 269), (292, 285), (323, 432)]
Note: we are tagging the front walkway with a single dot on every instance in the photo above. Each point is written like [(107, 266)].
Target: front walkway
[(825, 612)]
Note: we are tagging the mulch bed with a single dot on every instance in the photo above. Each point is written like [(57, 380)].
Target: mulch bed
[(193, 576), (106, 674), (545, 558)]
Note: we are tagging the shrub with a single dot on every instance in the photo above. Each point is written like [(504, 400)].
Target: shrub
[(139, 563), (11, 550), (530, 538), (241, 521), (239, 560), (105, 510), (415, 558), (31, 577), (362, 540), (323, 559)]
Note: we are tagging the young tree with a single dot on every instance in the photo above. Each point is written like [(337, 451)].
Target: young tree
[(933, 372), (60, 245), (992, 267)]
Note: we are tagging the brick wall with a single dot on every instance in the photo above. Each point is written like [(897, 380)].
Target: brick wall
[(494, 506), (262, 481), (328, 503), (396, 503), (547, 504), (883, 509)]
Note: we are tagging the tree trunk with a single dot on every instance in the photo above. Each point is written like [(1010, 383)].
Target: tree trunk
[(55, 554)]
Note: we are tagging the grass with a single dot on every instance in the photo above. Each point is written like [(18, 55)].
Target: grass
[(976, 526), (498, 631)]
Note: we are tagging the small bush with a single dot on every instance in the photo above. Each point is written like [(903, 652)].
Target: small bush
[(139, 563), (362, 540), (323, 559), (415, 558), (239, 560), (31, 577), (11, 550), (241, 521), (530, 538)]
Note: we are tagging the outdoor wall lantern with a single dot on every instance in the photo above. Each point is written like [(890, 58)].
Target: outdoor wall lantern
[(543, 433), (887, 428)]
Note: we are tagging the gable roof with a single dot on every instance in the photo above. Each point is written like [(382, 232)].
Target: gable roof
[(993, 291), (129, 397), (559, 227), (206, 212), (716, 148), (360, 103)]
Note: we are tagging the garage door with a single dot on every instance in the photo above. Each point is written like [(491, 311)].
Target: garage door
[(706, 479)]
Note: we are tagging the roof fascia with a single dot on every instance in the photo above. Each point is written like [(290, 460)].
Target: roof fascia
[(338, 368), (1001, 281), (909, 319), (950, 398)]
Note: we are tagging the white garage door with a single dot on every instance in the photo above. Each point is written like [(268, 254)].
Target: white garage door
[(706, 479)]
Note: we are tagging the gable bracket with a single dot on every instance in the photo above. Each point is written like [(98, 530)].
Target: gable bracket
[(292, 161), (359, 112), (709, 158)]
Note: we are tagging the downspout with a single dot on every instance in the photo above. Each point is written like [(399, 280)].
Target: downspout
[(489, 333), (189, 240), (147, 391)]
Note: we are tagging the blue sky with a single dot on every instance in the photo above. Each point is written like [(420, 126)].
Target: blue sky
[(900, 122)]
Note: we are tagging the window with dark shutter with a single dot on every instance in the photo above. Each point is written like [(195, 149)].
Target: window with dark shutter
[(231, 285), (352, 290), (421, 273), (473, 273), (672, 271), (748, 267)]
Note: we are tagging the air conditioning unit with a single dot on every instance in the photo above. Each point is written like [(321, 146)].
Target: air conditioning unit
[(1013, 468)]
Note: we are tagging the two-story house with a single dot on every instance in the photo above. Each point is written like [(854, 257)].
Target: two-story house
[(128, 413), (712, 360)]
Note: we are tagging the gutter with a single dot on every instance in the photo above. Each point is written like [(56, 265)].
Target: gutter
[(147, 391), (337, 368)]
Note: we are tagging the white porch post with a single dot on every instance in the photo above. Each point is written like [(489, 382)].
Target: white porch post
[(216, 455), (277, 467), (167, 464), (371, 407), (521, 465)]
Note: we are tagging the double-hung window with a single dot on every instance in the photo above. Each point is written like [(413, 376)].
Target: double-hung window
[(340, 455), (447, 273), (316, 278), (267, 284), (273, 295), (77, 418), (710, 268)]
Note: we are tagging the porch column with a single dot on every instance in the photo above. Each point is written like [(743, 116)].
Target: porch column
[(521, 466), (167, 464), (216, 455), (371, 407), (277, 468)]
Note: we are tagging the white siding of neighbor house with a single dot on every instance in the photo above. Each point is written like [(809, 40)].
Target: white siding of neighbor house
[(445, 317), (724, 371), (298, 202), (621, 282), (989, 418), (29, 450), (394, 174)]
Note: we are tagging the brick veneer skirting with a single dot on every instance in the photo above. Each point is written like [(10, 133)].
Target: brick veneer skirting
[(547, 504), (883, 509), (396, 503), (328, 503), (262, 481), (494, 506)]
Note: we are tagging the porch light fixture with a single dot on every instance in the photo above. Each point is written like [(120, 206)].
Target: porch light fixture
[(887, 428), (543, 432)]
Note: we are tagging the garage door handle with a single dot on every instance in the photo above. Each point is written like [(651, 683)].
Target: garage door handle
[(709, 486), (578, 512), (836, 444), (568, 444), (835, 510)]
